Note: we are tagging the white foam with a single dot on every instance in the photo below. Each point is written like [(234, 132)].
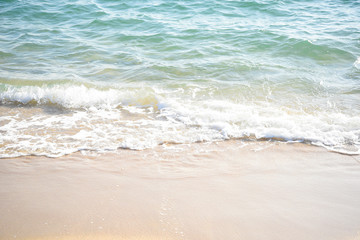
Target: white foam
[(357, 63), (143, 117), (67, 96)]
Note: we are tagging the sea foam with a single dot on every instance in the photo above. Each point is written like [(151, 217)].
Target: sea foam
[(102, 120)]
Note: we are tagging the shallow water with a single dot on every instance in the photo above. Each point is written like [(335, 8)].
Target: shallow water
[(101, 75)]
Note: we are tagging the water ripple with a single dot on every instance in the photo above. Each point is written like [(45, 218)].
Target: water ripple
[(196, 70)]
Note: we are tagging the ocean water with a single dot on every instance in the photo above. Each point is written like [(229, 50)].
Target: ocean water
[(103, 74)]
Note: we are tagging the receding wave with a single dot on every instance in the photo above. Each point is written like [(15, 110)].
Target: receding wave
[(143, 117)]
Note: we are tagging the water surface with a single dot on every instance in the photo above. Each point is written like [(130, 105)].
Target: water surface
[(101, 75)]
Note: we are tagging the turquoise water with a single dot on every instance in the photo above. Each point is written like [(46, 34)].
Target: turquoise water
[(101, 75)]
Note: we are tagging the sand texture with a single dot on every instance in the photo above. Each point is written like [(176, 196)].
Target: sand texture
[(225, 190)]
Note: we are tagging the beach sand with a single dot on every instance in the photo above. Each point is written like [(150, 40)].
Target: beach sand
[(224, 190)]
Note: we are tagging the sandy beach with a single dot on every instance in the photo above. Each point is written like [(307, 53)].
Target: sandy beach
[(224, 190), (179, 120)]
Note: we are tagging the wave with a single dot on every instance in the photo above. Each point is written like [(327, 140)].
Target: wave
[(144, 117), (70, 96)]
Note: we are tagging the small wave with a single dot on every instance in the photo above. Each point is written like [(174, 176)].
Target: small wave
[(114, 23), (4, 54), (66, 96), (73, 96), (318, 52)]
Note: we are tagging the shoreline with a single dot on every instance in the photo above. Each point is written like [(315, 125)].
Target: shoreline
[(32, 144), (221, 190), (241, 141)]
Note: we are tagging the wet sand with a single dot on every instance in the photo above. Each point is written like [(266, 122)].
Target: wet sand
[(225, 190)]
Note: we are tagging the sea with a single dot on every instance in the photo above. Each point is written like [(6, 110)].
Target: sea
[(102, 75)]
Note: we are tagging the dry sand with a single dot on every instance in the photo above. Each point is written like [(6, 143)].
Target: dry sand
[(225, 190)]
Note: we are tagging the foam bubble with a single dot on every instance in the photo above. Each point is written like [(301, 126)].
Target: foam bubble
[(357, 63)]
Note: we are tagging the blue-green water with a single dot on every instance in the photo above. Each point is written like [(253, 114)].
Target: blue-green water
[(105, 74)]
